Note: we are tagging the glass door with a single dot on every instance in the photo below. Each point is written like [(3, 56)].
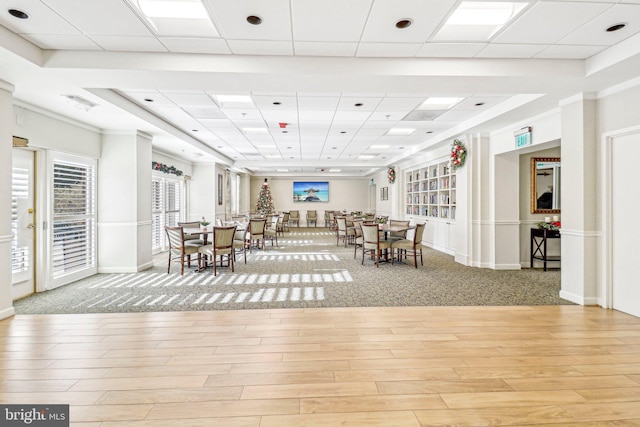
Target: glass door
[(22, 223)]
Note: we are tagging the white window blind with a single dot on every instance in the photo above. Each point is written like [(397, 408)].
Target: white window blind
[(167, 207), (74, 217), (19, 191)]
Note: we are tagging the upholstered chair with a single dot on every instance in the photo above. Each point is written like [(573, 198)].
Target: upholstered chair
[(372, 243), (193, 238), (344, 232), (241, 241), (222, 247), (414, 246), (398, 235), (256, 233), (179, 249), (271, 231), (294, 218), (312, 217)]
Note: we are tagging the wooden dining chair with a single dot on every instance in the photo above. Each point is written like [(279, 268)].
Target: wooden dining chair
[(372, 243), (256, 233), (191, 237), (294, 218), (222, 247), (312, 217), (179, 249), (414, 245), (241, 242)]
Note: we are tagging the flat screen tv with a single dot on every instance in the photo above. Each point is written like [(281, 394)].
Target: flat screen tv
[(310, 191)]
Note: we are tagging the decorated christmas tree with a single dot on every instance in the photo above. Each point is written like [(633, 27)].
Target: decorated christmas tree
[(264, 205)]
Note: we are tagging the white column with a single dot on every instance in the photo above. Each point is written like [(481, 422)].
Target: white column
[(6, 143), (124, 203), (579, 205), (506, 211)]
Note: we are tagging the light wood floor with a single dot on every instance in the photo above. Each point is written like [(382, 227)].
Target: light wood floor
[(432, 366)]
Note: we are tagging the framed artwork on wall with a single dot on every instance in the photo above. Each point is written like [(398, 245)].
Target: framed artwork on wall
[(219, 189)]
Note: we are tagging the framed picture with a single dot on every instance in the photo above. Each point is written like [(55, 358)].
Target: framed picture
[(310, 191), (384, 193), (219, 189)]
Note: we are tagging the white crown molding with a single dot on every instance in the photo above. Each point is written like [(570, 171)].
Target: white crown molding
[(51, 114)]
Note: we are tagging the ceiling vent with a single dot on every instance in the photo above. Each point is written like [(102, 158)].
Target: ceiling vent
[(422, 115)]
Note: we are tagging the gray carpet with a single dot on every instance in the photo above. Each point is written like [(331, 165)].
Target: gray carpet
[(306, 270)]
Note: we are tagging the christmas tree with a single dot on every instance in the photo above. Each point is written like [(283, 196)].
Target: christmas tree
[(264, 205)]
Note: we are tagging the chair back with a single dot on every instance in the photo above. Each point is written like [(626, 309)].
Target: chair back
[(294, 214), (370, 233), (402, 234), (332, 216), (417, 237), (285, 217), (256, 227), (192, 224), (176, 238), (223, 237), (241, 234), (311, 214), (342, 223)]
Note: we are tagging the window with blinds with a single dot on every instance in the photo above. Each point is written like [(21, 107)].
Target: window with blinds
[(74, 217), (19, 191), (167, 204)]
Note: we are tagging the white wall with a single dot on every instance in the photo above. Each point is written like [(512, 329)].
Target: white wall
[(351, 194), (202, 192)]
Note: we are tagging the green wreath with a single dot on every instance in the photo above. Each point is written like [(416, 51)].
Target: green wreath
[(458, 154)]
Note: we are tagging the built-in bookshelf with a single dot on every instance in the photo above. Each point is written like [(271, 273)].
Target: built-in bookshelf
[(431, 191)]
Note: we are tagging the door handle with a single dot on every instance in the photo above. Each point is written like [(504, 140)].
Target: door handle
[(32, 225)]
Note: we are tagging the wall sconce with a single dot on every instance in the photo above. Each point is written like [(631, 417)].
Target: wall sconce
[(372, 182)]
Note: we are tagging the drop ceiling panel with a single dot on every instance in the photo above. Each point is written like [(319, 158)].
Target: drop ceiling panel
[(195, 45), (191, 99), (159, 100), (218, 123), (548, 22), (260, 47), (399, 104), (573, 52), (342, 116), (329, 20), (348, 103), (593, 32), (242, 114), (101, 17), (231, 19), (325, 48), (42, 19), (388, 50), (385, 13), (315, 116), (390, 117), (265, 102), (205, 112), (495, 50), (62, 41), (273, 117), (318, 103), (450, 50), (122, 43)]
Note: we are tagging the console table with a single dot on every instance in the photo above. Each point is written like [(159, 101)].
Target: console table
[(539, 238)]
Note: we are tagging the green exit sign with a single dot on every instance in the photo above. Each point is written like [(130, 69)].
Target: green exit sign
[(523, 137)]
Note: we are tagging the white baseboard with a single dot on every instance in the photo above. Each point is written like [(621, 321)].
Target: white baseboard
[(145, 266), (7, 312), (578, 299), (507, 267)]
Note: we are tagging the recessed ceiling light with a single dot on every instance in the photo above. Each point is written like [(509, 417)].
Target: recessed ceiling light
[(18, 14), (429, 131), (329, 157), (358, 104), (189, 9), (289, 148), (343, 131), (194, 130), (400, 148), (277, 103), (404, 23), (439, 103), (148, 100), (400, 131), (254, 20), (334, 148), (478, 21), (292, 157), (479, 104), (285, 131), (616, 27)]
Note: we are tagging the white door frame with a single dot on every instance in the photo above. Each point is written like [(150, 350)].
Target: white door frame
[(606, 182)]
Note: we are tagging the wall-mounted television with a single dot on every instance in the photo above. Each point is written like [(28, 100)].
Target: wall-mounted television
[(310, 191)]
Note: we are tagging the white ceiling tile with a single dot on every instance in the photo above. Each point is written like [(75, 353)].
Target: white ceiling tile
[(450, 50), (260, 47), (218, 123), (329, 20), (398, 104), (136, 44), (495, 50), (425, 17), (231, 19), (62, 41), (388, 50), (191, 99), (273, 117), (548, 22), (348, 103), (195, 45), (315, 116), (265, 102), (318, 103), (593, 32), (325, 48), (242, 114), (158, 99), (42, 19), (387, 116), (101, 17), (205, 112), (570, 52), (360, 116), (469, 103), (455, 115)]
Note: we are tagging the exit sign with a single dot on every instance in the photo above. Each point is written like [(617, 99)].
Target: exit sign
[(523, 137)]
